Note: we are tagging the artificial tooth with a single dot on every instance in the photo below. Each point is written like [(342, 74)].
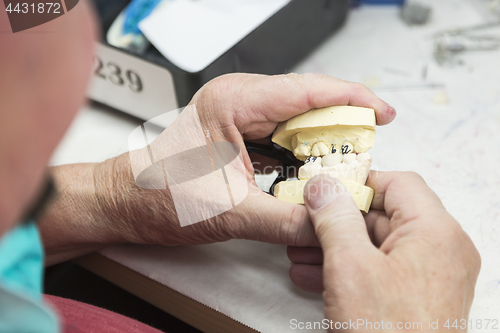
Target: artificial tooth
[(345, 171), (319, 149), (302, 150), (347, 148), (311, 168), (313, 160), (303, 172), (332, 159), (364, 158), (349, 158), (317, 161)]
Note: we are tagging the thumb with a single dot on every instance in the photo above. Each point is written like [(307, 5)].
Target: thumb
[(274, 221), (334, 214)]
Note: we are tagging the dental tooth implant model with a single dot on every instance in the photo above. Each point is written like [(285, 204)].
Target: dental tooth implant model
[(332, 140)]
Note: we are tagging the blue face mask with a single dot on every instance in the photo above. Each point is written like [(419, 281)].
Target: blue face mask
[(21, 275)]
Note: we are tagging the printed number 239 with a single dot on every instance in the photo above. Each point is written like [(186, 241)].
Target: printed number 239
[(113, 72)]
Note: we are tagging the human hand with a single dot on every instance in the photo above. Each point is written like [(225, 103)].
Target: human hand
[(234, 108), (102, 204), (407, 260)]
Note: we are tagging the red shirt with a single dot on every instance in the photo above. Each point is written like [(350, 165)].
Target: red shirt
[(77, 317)]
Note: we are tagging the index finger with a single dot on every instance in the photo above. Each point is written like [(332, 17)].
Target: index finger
[(292, 94)]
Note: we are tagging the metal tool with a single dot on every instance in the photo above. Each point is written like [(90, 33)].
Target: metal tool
[(451, 42)]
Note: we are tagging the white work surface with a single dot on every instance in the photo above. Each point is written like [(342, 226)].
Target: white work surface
[(446, 134)]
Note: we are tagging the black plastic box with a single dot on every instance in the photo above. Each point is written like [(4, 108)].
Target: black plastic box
[(273, 48)]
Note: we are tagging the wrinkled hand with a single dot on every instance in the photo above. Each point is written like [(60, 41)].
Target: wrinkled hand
[(234, 108), (407, 260)]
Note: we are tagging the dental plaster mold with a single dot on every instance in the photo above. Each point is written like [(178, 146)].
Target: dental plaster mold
[(333, 140)]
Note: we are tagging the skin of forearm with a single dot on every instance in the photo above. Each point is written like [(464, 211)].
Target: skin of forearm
[(74, 224), (98, 205)]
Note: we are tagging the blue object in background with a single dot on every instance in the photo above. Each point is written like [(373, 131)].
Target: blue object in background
[(355, 3), (21, 273), (136, 11)]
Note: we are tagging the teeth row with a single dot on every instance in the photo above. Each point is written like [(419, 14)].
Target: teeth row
[(322, 149), (337, 158), (353, 167)]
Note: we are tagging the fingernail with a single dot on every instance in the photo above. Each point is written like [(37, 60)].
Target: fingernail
[(391, 112), (320, 190)]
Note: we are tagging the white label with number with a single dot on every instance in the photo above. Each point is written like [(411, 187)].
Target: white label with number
[(131, 85)]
